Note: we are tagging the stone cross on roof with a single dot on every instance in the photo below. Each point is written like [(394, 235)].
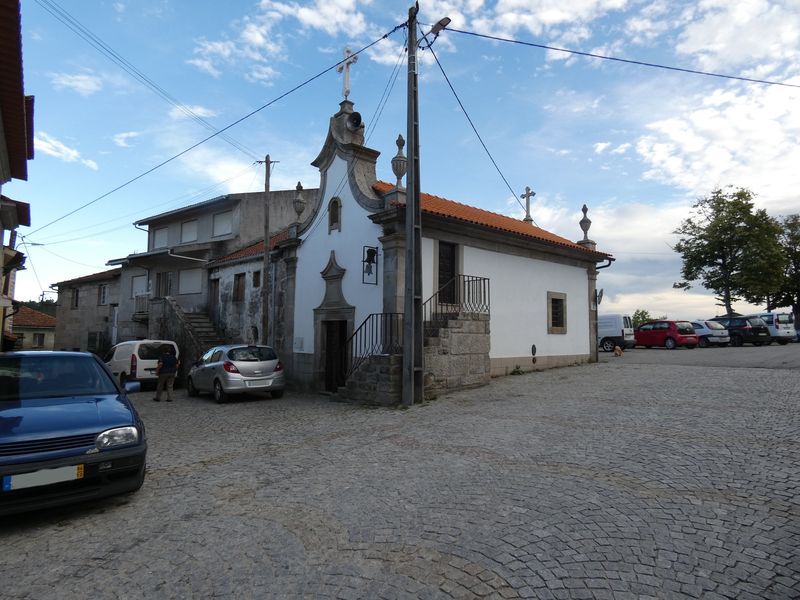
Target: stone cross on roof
[(529, 193), (349, 59)]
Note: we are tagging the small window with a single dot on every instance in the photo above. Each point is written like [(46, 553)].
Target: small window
[(38, 340), (256, 279), (75, 298), (238, 287), (190, 281), (94, 340), (556, 312), (102, 295), (335, 215), (138, 285), (160, 238), (189, 231), (223, 224)]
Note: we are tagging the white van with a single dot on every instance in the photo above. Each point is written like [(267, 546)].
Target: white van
[(137, 360), (615, 330), (781, 326)]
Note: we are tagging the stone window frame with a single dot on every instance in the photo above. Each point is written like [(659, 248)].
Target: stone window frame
[(335, 214), (554, 325)]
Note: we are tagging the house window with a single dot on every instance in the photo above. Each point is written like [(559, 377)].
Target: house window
[(556, 312), (94, 341), (189, 231), (335, 215), (38, 340), (256, 279), (190, 281), (238, 287), (163, 284), (160, 238), (138, 285), (74, 301), (223, 224), (102, 295)]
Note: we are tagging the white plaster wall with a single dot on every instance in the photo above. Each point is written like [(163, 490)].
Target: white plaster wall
[(519, 289), (313, 255)]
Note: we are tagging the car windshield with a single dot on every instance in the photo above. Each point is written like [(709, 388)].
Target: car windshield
[(684, 327), (252, 354), (51, 376), (714, 325)]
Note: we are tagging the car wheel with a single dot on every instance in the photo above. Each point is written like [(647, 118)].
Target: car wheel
[(669, 344), (278, 394), (219, 393), (607, 345), (736, 340), (783, 342), (190, 389), (703, 342)]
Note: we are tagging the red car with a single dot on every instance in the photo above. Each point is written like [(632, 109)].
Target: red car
[(669, 334)]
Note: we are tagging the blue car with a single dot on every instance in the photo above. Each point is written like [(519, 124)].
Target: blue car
[(68, 432)]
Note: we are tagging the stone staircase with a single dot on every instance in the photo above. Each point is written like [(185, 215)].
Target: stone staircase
[(203, 329)]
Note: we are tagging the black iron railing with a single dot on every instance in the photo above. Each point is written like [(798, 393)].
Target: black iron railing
[(462, 294), (380, 333)]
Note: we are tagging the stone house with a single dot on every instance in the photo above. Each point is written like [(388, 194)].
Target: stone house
[(16, 149), (33, 329), (87, 312)]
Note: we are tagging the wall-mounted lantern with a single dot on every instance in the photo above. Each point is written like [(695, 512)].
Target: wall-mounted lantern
[(369, 263)]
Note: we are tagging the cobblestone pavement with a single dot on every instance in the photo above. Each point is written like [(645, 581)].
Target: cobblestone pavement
[(611, 480)]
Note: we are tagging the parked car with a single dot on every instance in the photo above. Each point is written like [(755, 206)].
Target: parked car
[(745, 330), (780, 325), (137, 360), (710, 333), (669, 334), (237, 369), (68, 432), (615, 330)]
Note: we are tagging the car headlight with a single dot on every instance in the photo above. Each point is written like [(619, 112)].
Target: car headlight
[(121, 436)]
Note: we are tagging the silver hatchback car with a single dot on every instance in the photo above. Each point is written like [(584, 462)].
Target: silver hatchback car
[(237, 369)]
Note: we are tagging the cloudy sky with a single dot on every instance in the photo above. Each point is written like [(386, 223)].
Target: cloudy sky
[(123, 86)]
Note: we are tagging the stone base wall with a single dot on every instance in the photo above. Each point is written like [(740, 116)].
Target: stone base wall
[(523, 364), (458, 357), (378, 381)]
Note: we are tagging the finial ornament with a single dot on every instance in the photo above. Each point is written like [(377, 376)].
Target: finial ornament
[(299, 204), (585, 223), (399, 162), (344, 66)]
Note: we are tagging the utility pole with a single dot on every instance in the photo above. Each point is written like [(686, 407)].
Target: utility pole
[(265, 267)]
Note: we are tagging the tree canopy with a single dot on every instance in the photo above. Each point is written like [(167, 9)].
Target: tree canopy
[(789, 292), (731, 248)]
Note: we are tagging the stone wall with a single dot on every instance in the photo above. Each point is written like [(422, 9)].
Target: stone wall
[(458, 357)]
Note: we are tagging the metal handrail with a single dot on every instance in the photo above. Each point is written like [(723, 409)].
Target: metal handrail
[(462, 294), (380, 333)]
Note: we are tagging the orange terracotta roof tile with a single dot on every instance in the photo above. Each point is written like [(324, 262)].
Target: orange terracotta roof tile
[(436, 205), (28, 317), (256, 249)]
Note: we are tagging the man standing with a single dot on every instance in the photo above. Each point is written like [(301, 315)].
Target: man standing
[(166, 369)]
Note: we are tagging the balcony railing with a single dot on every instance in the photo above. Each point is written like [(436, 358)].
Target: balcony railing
[(141, 304), (462, 294), (380, 333)]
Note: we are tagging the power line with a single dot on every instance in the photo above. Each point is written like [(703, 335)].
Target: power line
[(622, 60), (76, 26), (215, 134), (480, 139), (30, 262)]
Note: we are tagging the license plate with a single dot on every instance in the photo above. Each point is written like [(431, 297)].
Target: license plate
[(43, 477), (259, 383)]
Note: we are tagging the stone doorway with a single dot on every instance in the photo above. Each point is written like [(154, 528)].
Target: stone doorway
[(335, 334)]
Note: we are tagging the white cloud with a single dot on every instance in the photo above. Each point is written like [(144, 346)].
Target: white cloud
[(84, 84), (601, 147), (121, 139), (743, 136), (53, 147), (177, 113), (262, 74), (205, 65), (331, 16), (621, 149)]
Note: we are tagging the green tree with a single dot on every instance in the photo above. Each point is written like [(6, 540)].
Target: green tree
[(789, 292), (641, 315), (731, 248)]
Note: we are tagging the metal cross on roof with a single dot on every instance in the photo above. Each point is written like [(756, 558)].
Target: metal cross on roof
[(349, 59), (529, 193)]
